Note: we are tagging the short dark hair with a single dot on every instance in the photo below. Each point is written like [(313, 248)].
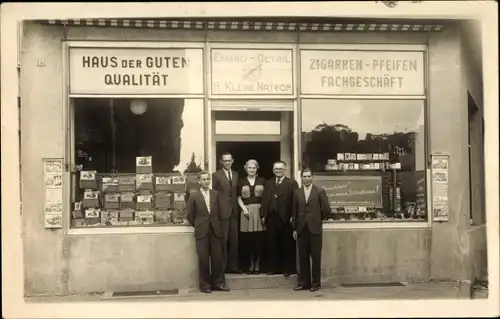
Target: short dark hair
[(226, 153), (200, 174), (279, 162), (307, 169)]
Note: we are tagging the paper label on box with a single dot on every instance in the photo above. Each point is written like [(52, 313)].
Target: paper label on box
[(92, 213), (110, 181), (351, 209), (112, 197), (163, 180), (362, 209), (53, 208), (91, 195), (144, 161), (78, 205), (178, 197), (127, 197), (87, 175), (178, 180), (144, 214), (143, 178), (144, 199)]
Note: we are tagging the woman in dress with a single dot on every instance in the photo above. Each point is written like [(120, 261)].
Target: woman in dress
[(250, 190)]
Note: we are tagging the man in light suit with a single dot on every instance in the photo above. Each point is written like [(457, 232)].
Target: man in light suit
[(310, 208), (203, 213), (225, 181)]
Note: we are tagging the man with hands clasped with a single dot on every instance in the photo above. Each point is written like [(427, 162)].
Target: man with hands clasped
[(310, 208)]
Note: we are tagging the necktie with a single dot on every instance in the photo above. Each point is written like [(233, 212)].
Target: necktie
[(229, 178)]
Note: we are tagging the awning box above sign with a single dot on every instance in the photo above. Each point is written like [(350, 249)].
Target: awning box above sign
[(252, 72), (362, 72), (145, 71)]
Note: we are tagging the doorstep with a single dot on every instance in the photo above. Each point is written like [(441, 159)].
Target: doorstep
[(260, 281)]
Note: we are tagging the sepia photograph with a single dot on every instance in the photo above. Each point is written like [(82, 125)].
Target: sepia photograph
[(252, 157)]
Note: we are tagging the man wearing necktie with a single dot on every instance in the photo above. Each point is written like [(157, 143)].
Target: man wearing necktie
[(276, 214), (225, 181), (310, 208), (203, 213)]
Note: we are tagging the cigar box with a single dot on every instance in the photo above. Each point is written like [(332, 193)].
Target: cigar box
[(340, 156), (76, 214), (144, 181), (109, 184), (109, 216), (126, 215), (127, 200), (78, 222), (179, 201), (88, 180), (178, 216), (92, 213), (162, 183), (144, 165), (126, 183), (112, 201), (356, 166), (386, 156), (145, 217), (90, 199), (163, 200), (351, 166), (376, 157), (163, 216), (144, 202)]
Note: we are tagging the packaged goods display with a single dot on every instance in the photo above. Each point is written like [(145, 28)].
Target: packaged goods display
[(127, 199)]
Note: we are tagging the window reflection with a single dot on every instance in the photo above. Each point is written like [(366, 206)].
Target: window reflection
[(330, 127)]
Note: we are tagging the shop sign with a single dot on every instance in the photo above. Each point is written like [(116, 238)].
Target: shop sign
[(252, 72), (362, 72), (352, 191), (135, 71)]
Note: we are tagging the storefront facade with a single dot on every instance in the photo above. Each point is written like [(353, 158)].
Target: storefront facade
[(379, 112)]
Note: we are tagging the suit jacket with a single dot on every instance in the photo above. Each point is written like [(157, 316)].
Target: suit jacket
[(310, 213), (282, 194), (229, 195), (199, 217)]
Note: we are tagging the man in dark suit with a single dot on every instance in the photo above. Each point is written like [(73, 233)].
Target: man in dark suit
[(276, 214), (225, 181), (204, 208), (310, 208)]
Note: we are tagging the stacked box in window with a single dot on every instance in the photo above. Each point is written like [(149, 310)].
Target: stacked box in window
[(144, 217), (77, 211), (109, 184), (163, 200), (178, 183), (179, 208), (144, 202), (163, 183), (144, 165), (88, 180), (126, 215), (90, 199), (126, 183), (127, 200), (112, 201), (93, 216), (108, 217), (163, 216), (144, 182)]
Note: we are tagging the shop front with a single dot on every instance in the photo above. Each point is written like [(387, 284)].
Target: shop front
[(134, 109)]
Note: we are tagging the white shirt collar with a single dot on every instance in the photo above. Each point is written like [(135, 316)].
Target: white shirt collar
[(308, 187)]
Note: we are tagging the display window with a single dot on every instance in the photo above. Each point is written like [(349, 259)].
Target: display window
[(369, 155), (135, 160)]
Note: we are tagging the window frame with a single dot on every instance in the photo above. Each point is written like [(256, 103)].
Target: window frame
[(69, 138), (424, 49)]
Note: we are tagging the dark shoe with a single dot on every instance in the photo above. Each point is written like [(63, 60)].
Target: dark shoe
[(221, 288), (286, 274), (206, 290), (300, 287), (256, 272), (315, 288), (271, 273)]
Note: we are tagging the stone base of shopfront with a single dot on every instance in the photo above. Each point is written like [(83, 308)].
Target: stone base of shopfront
[(149, 262)]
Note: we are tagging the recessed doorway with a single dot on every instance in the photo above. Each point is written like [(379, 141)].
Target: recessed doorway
[(264, 152)]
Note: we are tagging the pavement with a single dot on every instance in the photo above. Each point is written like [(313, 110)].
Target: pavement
[(410, 291)]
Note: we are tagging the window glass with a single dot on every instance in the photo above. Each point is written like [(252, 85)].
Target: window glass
[(369, 155), (136, 160)]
